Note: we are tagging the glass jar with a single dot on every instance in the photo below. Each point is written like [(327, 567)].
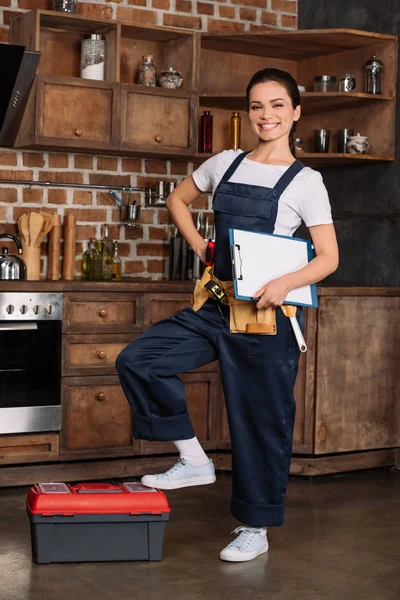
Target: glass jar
[(68, 6), (298, 145), (148, 71), (93, 51), (324, 83), (373, 76)]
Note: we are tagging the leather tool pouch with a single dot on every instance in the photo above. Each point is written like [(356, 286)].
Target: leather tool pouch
[(244, 316)]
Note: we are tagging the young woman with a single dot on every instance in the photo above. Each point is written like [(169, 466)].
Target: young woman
[(265, 190)]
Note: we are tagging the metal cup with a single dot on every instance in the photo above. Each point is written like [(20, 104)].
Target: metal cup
[(129, 212), (342, 139), (321, 140)]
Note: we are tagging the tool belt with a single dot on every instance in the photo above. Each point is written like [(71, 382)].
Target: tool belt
[(244, 316)]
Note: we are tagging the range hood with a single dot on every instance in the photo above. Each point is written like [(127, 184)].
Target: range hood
[(17, 72)]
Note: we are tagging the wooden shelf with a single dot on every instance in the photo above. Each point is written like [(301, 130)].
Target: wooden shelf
[(316, 159), (294, 45), (312, 102)]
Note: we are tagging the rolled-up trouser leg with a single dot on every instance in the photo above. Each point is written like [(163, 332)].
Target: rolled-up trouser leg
[(259, 373), (148, 370)]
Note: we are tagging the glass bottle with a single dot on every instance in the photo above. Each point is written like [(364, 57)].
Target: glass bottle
[(87, 259), (235, 130), (148, 71), (95, 268), (107, 252), (373, 76), (206, 131), (116, 264)]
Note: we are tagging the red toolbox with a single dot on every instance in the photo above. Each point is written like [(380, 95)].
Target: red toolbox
[(96, 522)]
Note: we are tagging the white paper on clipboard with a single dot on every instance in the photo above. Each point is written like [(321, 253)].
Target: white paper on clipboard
[(260, 257)]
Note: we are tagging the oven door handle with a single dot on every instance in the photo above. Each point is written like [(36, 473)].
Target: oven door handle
[(26, 326)]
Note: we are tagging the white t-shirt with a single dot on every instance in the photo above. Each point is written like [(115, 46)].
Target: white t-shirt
[(305, 198)]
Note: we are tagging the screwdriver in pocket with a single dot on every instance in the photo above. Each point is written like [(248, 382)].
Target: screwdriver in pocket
[(290, 311)]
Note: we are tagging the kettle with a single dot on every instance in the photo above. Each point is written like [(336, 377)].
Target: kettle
[(11, 267)]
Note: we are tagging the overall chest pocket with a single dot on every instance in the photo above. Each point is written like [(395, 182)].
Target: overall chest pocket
[(242, 202)]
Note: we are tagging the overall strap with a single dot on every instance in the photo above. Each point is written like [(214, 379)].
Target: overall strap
[(230, 171), (287, 178)]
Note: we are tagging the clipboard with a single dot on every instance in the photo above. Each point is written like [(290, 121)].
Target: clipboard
[(259, 257)]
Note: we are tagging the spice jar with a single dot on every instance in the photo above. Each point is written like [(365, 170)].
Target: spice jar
[(93, 50), (298, 145), (324, 83), (68, 6), (373, 76), (148, 71)]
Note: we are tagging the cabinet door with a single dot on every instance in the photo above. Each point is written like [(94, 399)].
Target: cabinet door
[(75, 113), (202, 395), (96, 419), (158, 122), (357, 382)]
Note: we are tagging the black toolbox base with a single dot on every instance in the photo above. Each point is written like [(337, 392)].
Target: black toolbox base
[(90, 538)]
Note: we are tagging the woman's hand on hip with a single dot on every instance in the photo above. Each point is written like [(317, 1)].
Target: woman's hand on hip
[(272, 293)]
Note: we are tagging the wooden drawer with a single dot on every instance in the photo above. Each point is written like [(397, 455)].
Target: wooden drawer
[(103, 313), (29, 448), (96, 418), (92, 354)]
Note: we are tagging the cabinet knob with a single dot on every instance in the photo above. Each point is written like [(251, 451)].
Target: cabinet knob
[(78, 132), (101, 355), (100, 396), (159, 139), (103, 313)]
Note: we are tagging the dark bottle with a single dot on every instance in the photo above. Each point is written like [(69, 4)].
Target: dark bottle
[(206, 127)]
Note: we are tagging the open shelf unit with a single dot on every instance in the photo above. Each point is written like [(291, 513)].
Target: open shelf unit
[(216, 69)]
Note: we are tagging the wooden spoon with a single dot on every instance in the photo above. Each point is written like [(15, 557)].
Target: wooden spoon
[(35, 226), (20, 230), (47, 226), (25, 228)]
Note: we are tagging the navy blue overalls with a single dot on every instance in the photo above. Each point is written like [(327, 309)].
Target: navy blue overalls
[(258, 371)]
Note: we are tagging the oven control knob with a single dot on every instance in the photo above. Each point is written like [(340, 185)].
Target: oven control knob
[(9, 309), (49, 309), (23, 309), (36, 309)]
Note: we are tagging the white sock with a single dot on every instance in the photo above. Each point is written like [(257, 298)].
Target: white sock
[(192, 451)]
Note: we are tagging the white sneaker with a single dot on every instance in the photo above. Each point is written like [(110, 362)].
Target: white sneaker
[(250, 543), (182, 474)]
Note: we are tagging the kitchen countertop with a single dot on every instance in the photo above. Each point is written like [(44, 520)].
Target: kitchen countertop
[(142, 285)]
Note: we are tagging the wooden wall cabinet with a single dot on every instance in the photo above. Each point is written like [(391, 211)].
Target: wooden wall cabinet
[(216, 69)]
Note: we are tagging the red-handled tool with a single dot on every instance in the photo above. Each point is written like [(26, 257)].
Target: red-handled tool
[(210, 253)]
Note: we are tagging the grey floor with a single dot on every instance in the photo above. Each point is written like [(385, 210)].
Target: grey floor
[(341, 541)]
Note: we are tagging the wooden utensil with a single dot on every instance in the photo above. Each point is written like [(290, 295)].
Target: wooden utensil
[(53, 273), (25, 228), (20, 230), (69, 246), (46, 227), (35, 226)]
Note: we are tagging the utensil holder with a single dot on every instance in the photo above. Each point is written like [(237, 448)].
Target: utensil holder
[(31, 258), (129, 212)]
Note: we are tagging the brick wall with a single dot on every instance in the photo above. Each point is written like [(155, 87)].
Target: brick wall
[(144, 249)]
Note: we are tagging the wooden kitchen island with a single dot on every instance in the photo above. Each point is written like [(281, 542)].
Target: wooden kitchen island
[(347, 390)]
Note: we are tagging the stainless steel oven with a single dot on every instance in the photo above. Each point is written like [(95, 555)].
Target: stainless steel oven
[(30, 362)]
